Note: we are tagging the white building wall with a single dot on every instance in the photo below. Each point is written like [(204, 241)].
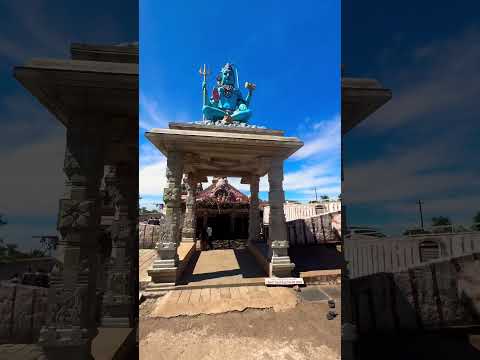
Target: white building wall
[(303, 211), (366, 255)]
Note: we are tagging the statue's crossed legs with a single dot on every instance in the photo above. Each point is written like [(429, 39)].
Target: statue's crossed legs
[(213, 113)]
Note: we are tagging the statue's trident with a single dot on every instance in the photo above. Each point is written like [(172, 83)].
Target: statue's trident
[(204, 72)]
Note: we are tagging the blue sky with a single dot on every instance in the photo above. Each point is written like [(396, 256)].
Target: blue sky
[(292, 54), (424, 143), (32, 141)]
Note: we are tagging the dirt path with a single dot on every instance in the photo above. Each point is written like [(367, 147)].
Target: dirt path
[(301, 333)]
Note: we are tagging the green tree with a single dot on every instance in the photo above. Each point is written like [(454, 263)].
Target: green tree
[(476, 221), (12, 250), (441, 224), (441, 221), (324, 197)]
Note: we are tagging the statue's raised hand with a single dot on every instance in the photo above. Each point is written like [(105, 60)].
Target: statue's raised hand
[(250, 86)]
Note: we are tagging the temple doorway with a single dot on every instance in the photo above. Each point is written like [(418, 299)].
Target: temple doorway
[(220, 225), (229, 231), (225, 210)]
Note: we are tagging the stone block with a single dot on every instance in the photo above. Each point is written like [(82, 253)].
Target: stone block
[(163, 274), (281, 266)]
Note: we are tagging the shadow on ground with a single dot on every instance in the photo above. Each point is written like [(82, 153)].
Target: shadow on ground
[(315, 257), (241, 264)]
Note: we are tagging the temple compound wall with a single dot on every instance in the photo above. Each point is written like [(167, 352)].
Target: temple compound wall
[(295, 211), (366, 255), (431, 296)]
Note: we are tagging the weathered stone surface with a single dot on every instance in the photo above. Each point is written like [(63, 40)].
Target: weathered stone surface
[(22, 312), (438, 295), (225, 299)]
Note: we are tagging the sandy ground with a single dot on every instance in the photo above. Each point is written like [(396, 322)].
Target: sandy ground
[(301, 333)]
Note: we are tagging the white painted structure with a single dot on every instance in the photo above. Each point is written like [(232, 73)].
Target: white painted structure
[(367, 255), (295, 211)]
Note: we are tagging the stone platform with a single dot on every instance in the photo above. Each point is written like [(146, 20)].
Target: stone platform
[(223, 299), (213, 268)]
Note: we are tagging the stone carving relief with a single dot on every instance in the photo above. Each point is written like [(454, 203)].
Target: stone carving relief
[(75, 214)]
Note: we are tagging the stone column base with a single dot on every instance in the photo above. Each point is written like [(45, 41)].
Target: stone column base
[(281, 266), (164, 271)]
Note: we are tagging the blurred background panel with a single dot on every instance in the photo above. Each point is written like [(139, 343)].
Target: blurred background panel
[(410, 180), (69, 178)]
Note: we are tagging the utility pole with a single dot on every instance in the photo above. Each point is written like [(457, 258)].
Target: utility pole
[(421, 212)]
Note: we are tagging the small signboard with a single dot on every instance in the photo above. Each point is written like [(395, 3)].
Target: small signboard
[(276, 281)]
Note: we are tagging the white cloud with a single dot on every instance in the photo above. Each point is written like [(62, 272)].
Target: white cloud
[(150, 114), (323, 139), (438, 79), (330, 191), (149, 154), (407, 173), (309, 177), (152, 178)]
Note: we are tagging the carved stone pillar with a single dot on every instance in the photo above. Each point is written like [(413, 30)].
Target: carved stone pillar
[(117, 300), (71, 324), (165, 267), (280, 263), (189, 226), (254, 212)]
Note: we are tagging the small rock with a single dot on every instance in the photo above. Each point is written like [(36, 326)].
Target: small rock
[(331, 315), (331, 304)]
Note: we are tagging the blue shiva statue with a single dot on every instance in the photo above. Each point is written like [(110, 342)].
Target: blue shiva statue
[(227, 102)]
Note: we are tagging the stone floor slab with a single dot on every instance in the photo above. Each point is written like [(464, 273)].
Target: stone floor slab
[(221, 300)]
